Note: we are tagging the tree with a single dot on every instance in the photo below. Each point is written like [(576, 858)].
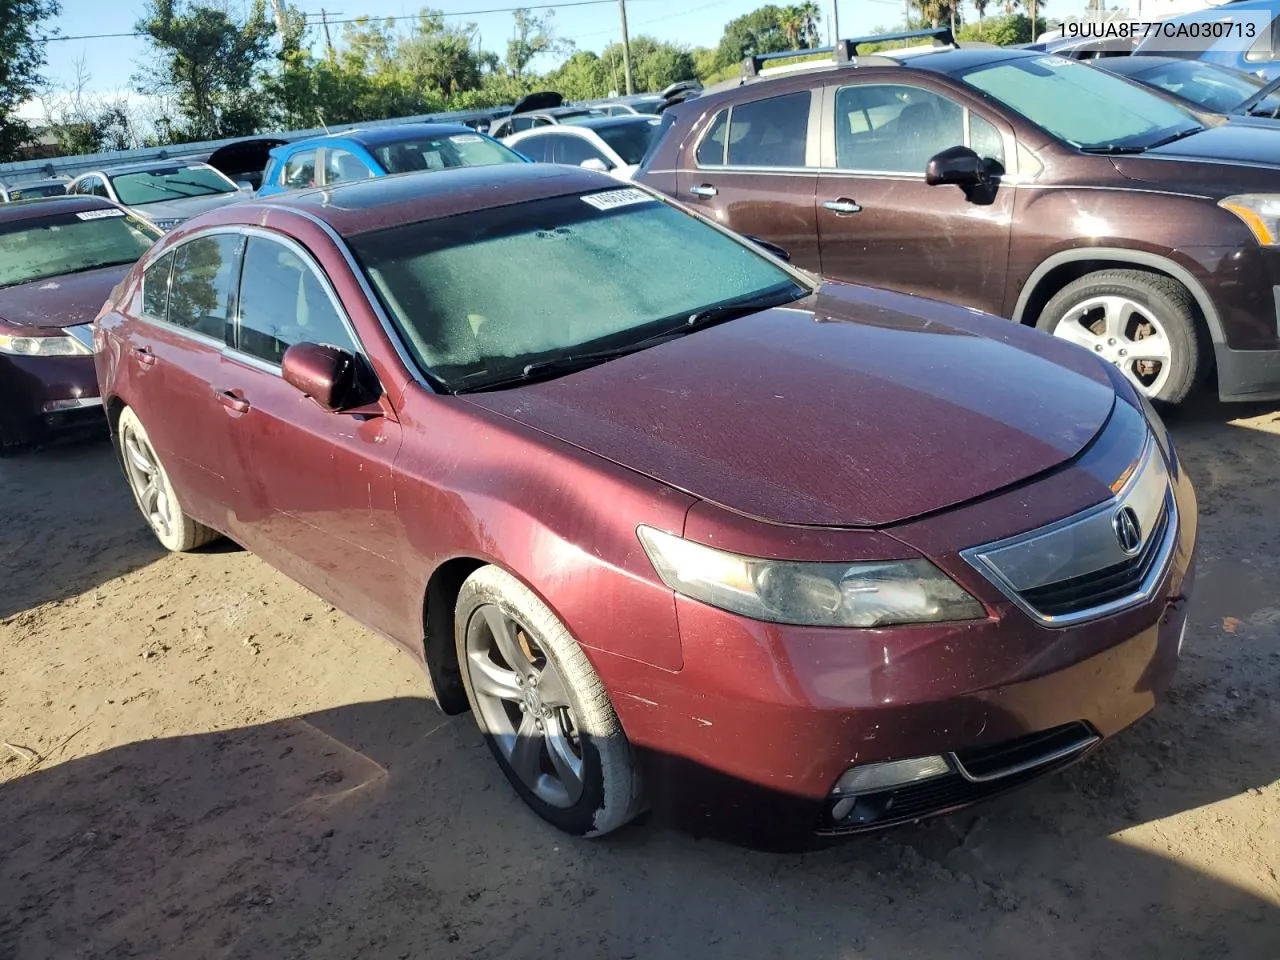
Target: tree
[(981, 7), (654, 65), (533, 36), (209, 62), (584, 76), (22, 58), (759, 31)]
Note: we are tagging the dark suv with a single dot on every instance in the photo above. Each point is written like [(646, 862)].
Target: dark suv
[(1015, 182)]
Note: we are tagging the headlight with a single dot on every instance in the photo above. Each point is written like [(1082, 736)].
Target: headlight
[(873, 594), (42, 346), (1260, 213)]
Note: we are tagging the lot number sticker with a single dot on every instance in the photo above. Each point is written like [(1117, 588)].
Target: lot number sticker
[(612, 199), (99, 214)]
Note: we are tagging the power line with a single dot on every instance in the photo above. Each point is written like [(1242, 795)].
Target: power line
[(372, 19)]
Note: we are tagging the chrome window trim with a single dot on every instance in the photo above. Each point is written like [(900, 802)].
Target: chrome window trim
[(1139, 491), (811, 146)]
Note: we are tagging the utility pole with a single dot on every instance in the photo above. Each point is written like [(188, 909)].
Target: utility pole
[(328, 40), (626, 47), (835, 23)]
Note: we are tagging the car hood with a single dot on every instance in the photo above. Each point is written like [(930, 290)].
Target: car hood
[(64, 301), (187, 207), (1240, 142), (852, 407)]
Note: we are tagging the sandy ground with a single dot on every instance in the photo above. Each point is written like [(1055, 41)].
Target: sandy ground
[(201, 759)]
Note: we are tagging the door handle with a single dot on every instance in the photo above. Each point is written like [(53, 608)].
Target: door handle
[(842, 205), (144, 356), (231, 401), (703, 190)]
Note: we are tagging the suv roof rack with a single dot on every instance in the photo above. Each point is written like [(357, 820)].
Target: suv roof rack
[(844, 51)]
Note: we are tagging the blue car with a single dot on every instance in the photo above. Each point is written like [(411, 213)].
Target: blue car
[(1253, 48), (360, 154)]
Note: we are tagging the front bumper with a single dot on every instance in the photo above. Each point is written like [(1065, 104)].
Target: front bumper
[(43, 396)]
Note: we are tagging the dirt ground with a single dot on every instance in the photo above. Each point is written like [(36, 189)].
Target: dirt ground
[(202, 760)]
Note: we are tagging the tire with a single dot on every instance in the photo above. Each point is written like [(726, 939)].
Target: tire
[(1146, 306), (609, 790), (159, 503)]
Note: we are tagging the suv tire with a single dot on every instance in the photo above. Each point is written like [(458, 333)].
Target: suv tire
[(1113, 311)]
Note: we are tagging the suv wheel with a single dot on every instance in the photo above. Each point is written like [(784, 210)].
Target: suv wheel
[(1143, 323), (542, 709)]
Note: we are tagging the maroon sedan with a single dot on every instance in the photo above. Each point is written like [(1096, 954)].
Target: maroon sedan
[(59, 260), (681, 526)]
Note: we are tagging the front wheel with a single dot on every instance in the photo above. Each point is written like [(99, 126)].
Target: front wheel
[(1143, 323), (542, 709), (152, 490)]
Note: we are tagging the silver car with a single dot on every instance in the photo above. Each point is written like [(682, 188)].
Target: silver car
[(165, 192)]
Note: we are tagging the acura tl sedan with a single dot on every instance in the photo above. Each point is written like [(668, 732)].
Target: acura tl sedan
[(778, 558)]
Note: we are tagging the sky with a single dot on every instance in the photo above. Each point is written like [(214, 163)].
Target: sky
[(111, 62)]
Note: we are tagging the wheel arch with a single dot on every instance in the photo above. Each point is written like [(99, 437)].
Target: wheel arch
[(440, 653), (1068, 265)]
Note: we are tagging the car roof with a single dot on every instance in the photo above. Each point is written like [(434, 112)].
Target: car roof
[(38, 209), (362, 206), (598, 123), (379, 136), (145, 165)]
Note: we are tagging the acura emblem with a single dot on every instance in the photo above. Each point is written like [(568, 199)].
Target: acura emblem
[(1128, 530)]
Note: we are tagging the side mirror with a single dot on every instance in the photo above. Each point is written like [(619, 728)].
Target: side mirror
[(956, 165), (594, 163), (771, 248), (245, 186), (325, 374)]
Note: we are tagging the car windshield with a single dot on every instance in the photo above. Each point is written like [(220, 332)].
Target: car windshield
[(169, 183), (441, 152), (35, 191), (582, 117), (1216, 89), (1087, 107), (64, 242), (479, 296), (630, 141)]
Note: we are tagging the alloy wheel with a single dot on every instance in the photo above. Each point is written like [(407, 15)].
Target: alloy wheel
[(1124, 333), (525, 707), (142, 467)]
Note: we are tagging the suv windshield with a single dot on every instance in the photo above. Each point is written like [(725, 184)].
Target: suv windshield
[(481, 296), (65, 243), (1084, 106), (169, 183), (439, 153), (630, 141)]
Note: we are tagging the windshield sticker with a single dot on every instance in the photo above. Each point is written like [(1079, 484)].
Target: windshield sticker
[(99, 214), (466, 138), (612, 199)]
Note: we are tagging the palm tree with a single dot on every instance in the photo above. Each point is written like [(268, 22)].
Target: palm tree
[(791, 22), (981, 7), (809, 17)]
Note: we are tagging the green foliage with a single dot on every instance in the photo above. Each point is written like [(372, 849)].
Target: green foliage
[(759, 31), (534, 36), (209, 62), (22, 57), (1003, 31)]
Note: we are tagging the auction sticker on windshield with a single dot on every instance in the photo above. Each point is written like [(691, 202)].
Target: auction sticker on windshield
[(99, 214), (612, 199)]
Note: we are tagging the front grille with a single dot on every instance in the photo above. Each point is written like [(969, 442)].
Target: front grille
[(1100, 587), (982, 773)]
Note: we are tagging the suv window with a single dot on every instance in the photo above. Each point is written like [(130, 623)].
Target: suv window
[(897, 128), (770, 133), (300, 170), (155, 288), (536, 148), (204, 282), (283, 302), (711, 149), (573, 150), (343, 165)]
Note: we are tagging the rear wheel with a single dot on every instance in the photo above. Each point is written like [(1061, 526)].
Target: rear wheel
[(542, 708), (1143, 323), (152, 490)]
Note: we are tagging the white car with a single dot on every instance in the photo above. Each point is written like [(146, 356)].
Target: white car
[(613, 145), (165, 192)]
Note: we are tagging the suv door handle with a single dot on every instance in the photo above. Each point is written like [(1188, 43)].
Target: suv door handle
[(842, 205), (144, 356), (231, 401), (703, 190)]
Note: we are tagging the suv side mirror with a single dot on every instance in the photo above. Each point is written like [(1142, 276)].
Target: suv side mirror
[(594, 163), (770, 248), (325, 374), (956, 165)]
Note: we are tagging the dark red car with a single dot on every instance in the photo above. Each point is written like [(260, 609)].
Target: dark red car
[(680, 525), (59, 260)]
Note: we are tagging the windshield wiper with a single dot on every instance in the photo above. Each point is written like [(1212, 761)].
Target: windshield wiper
[(1112, 148), (731, 309), (1173, 137), (1262, 94)]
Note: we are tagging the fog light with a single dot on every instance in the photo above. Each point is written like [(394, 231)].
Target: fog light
[(885, 776)]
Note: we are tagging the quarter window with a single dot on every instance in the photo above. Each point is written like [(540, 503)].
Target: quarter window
[(283, 302), (711, 149), (770, 133), (897, 128), (203, 286), (155, 288), (300, 170)]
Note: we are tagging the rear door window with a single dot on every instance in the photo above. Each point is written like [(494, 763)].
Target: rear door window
[(770, 133), (299, 170), (711, 149), (573, 151), (202, 292), (536, 148), (341, 166)]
